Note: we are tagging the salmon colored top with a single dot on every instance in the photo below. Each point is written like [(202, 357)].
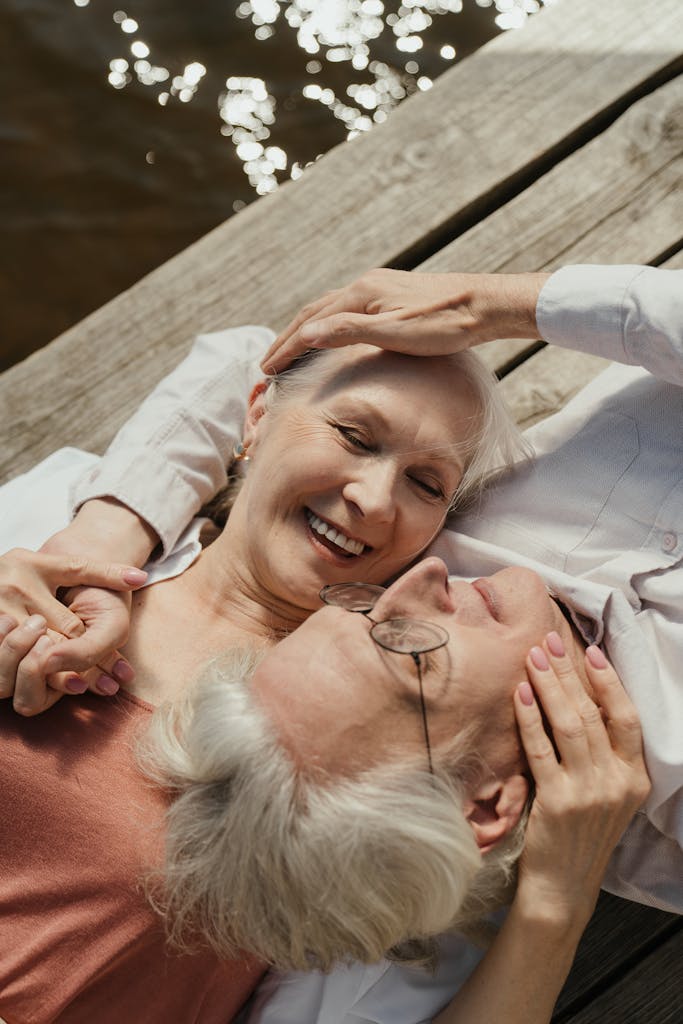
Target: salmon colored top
[(80, 826)]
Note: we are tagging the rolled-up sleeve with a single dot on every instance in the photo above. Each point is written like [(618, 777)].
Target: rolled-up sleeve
[(171, 456), (630, 314)]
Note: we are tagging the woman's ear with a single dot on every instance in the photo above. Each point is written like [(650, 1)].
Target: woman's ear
[(256, 407), (494, 809)]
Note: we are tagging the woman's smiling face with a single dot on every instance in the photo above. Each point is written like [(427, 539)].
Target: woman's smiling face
[(351, 476)]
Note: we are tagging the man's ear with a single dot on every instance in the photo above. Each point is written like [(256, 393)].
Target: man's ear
[(256, 407), (494, 809)]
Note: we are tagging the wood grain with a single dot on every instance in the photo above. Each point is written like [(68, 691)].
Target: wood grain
[(488, 124), (648, 993), (548, 379), (619, 932), (618, 199)]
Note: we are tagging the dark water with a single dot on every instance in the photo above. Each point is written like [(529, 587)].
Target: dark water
[(130, 129)]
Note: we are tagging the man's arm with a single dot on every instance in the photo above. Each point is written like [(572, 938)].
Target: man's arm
[(163, 465), (630, 314), (171, 456)]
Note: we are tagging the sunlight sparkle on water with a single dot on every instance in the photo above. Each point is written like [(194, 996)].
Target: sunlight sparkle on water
[(330, 32), (247, 110), (139, 49)]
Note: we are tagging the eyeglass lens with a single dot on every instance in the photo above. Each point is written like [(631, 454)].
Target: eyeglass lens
[(403, 636), (355, 597)]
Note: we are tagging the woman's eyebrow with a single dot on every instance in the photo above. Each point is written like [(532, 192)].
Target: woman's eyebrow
[(446, 453)]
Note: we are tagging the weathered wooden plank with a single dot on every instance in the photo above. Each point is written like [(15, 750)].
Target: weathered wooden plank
[(619, 934), (617, 199), (547, 380), (649, 993), (438, 159)]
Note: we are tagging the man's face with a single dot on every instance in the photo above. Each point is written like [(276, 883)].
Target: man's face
[(342, 703)]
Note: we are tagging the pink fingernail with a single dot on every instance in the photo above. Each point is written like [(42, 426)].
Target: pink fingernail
[(107, 686), (596, 657), (123, 671), (75, 684), (134, 577), (526, 694), (539, 659), (555, 645)]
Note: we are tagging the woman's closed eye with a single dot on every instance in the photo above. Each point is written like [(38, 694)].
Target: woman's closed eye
[(430, 487), (354, 438)]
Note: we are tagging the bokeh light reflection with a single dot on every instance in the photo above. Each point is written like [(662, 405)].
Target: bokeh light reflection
[(337, 37)]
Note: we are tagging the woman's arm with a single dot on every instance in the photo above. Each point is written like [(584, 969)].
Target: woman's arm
[(582, 805)]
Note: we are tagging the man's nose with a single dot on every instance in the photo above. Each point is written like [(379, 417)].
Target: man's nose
[(373, 493), (417, 592)]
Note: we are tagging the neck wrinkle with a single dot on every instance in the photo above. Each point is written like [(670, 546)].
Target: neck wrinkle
[(228, 591)]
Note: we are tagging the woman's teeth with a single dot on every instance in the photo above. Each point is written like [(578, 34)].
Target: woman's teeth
[(354, 547)]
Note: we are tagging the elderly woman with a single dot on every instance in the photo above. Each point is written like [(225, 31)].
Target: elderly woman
[(295, 503)]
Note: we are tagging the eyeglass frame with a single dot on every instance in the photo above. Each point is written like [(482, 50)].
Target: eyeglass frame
[(414, 654)]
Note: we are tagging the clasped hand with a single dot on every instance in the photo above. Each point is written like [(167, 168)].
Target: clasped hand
[(45, 644)]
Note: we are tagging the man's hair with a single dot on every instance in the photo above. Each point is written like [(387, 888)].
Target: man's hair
[(304, 871)]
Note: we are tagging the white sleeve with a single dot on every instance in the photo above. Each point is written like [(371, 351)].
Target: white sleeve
[(383, 993), (629, 314), (171, 456)]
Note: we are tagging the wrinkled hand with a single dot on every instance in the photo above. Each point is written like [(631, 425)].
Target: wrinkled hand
[(38, 664), (585, 798), (415, 313)]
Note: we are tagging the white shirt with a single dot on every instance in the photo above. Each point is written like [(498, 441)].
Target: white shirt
[(600, 516)]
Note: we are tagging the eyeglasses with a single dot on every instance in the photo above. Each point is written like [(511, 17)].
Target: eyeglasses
[(402, 636)]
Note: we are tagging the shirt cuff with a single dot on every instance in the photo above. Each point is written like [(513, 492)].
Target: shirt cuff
[(582, 308), (149, 485)]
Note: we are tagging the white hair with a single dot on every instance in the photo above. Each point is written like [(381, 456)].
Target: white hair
[(303, 872)]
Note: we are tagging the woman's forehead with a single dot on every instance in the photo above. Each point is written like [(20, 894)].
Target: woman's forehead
[(360, 366)]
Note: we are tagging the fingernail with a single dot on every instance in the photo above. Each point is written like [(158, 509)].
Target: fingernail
[(539, 659), (36, 622), (42, 644), (596, 657), (526, 694), (75, 684), (107, 685), (123, 671), (555, 645), (134, 577)]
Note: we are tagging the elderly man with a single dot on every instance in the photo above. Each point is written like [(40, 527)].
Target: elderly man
[(597, 515)]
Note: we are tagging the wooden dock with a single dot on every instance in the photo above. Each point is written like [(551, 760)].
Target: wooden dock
[(561, 143)]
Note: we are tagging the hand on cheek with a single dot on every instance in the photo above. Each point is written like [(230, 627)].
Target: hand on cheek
[(589, 780)]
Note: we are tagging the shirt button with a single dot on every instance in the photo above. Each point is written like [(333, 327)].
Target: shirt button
[(669, 541)]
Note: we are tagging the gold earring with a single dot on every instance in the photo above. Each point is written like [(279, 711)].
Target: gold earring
[(239, 452)]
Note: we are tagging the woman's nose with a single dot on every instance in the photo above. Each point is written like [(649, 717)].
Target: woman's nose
[(418, 591), (373, 493)]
